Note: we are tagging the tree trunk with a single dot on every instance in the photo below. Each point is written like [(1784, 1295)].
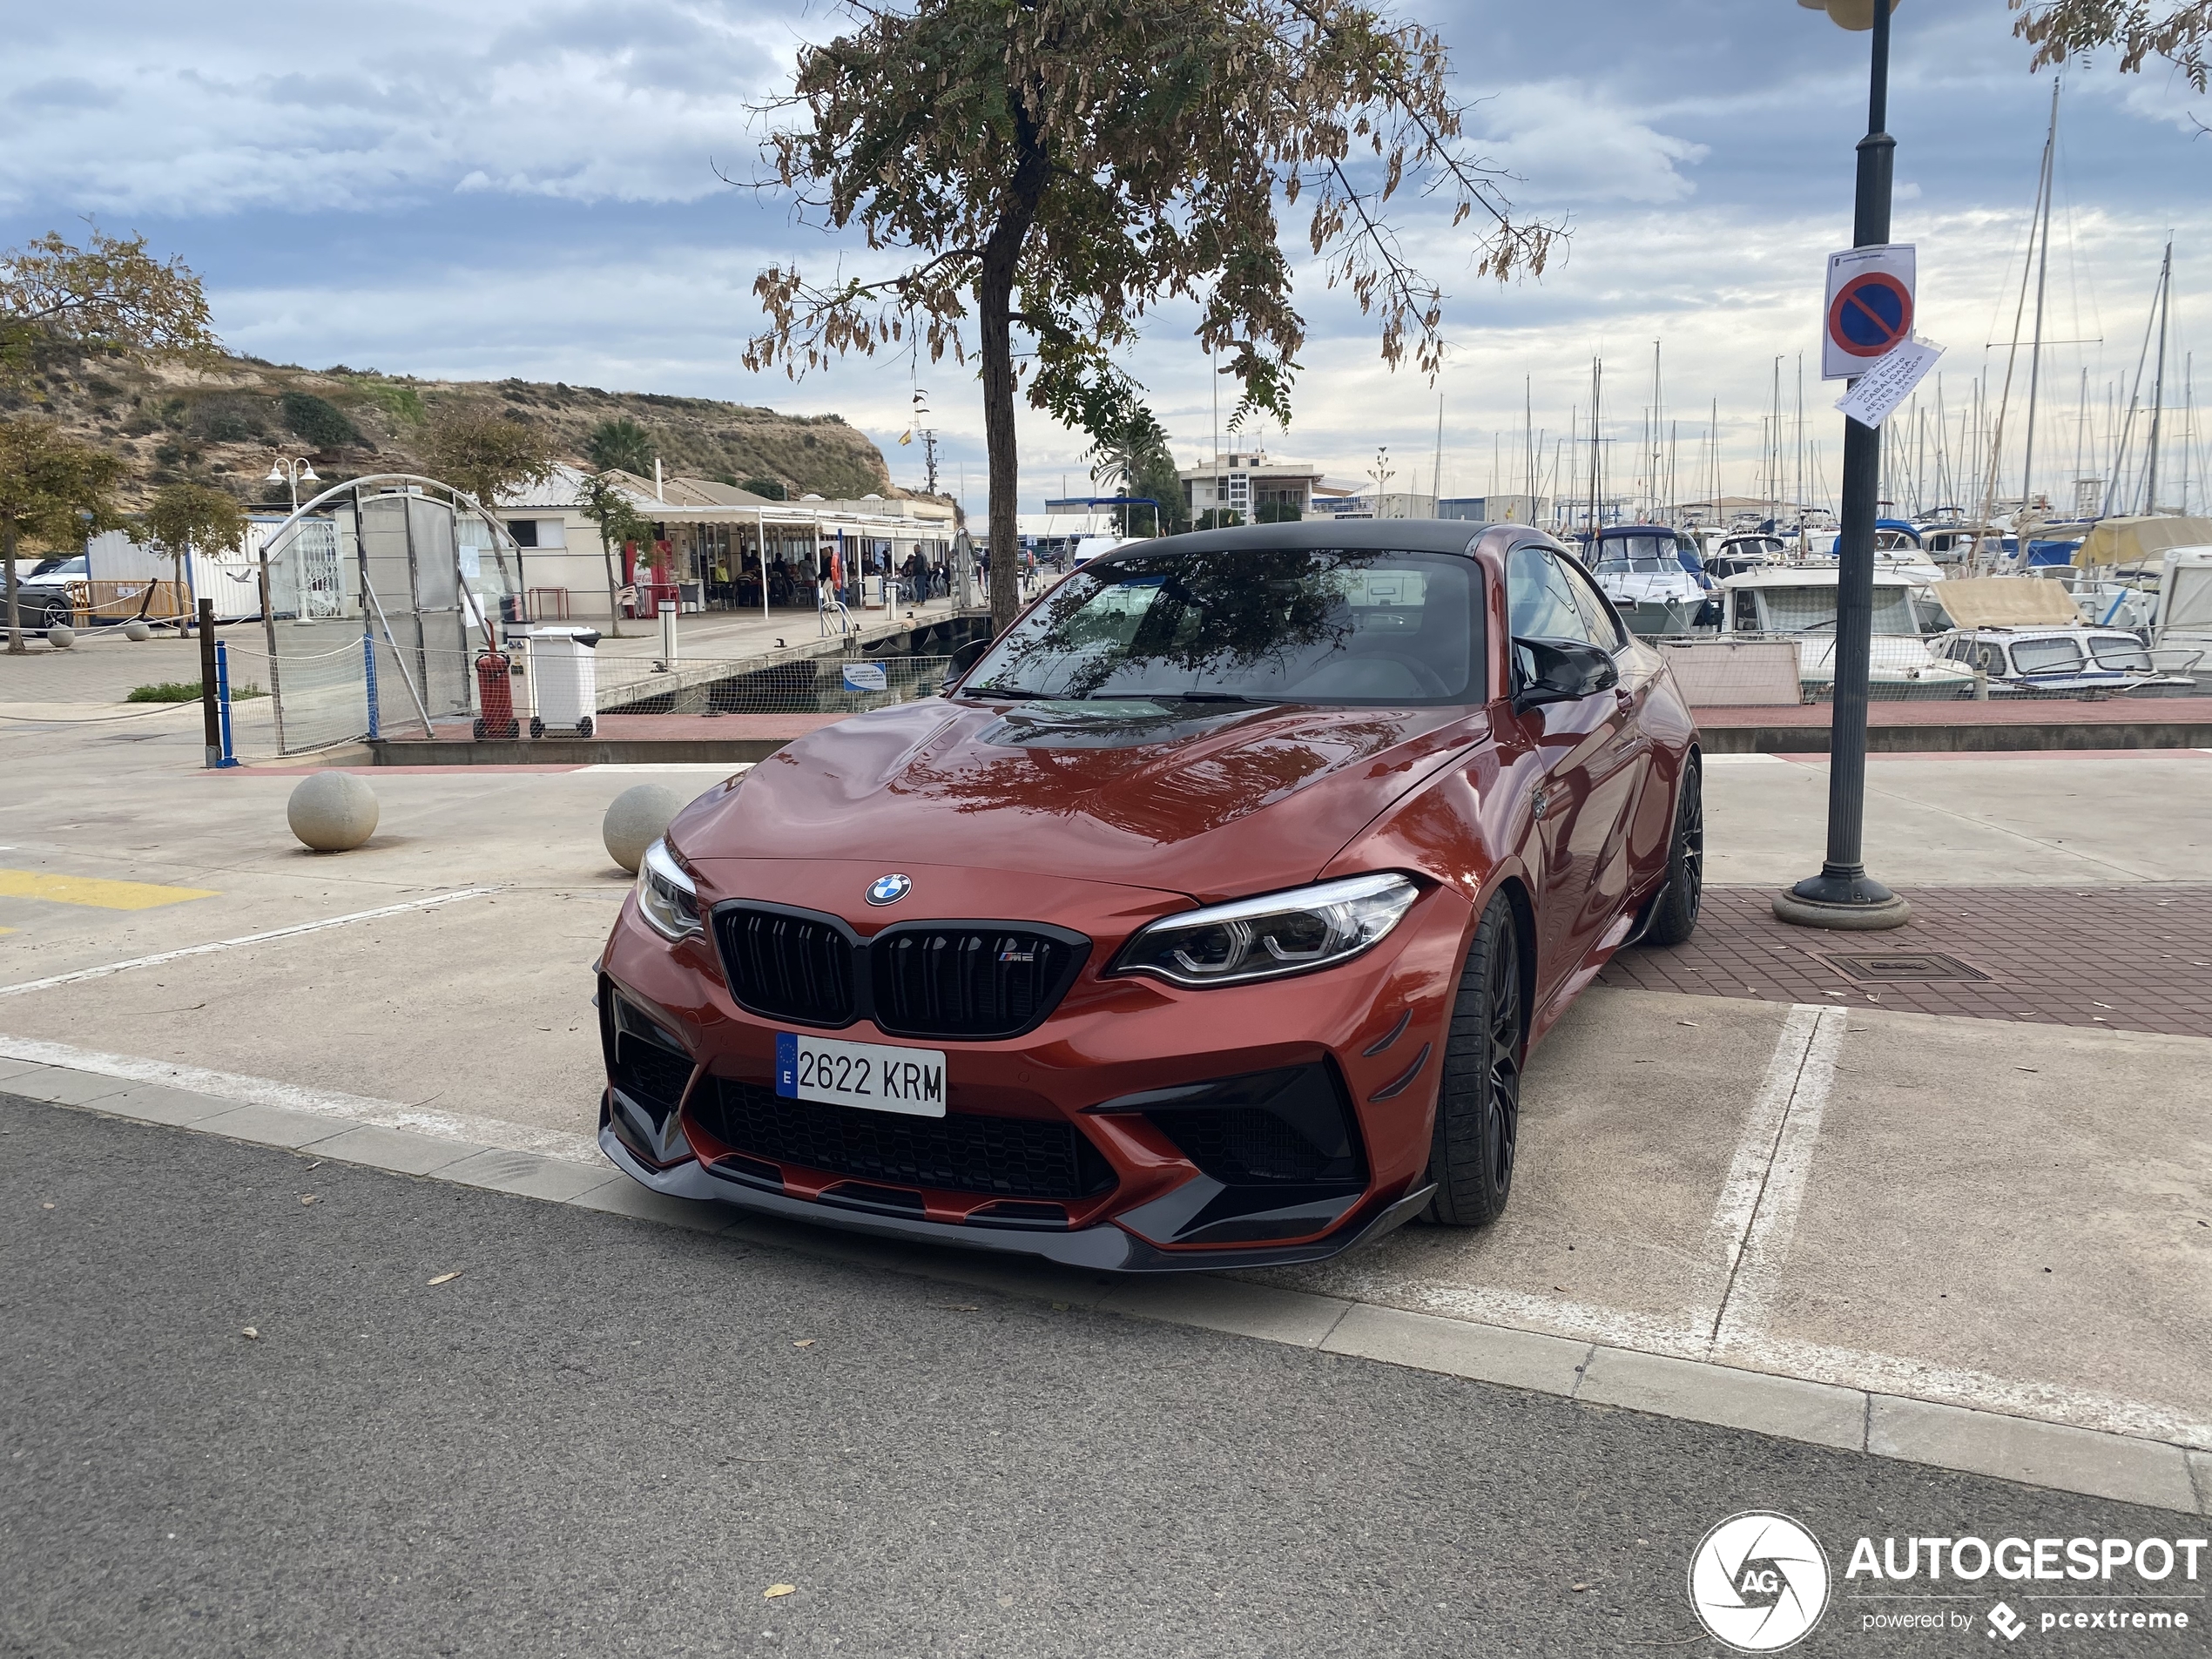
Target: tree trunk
[(15, 624), (614, 605), (995, 303)]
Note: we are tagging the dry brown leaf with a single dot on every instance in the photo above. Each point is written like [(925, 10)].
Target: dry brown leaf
[(804, 1342), (310, 1198), (251, 1334), (775, 1590), (444, 1279)]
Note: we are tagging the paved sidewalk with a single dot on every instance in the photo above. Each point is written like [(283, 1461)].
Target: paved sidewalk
[(2120, 957)]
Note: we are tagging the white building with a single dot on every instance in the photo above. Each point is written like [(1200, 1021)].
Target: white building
[(1248, 484), (709, 543)]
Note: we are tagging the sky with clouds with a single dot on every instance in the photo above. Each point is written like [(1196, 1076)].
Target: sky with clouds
[(531, 189)]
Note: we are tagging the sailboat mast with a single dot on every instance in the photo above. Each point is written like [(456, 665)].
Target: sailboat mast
[(1528, 438), (1597, 400), (2158, 385), (2042, 266)]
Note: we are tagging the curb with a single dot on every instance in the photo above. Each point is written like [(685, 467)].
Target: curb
[(2123, 1468)]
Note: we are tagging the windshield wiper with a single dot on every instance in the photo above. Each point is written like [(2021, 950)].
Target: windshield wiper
[(999, 691), (1172, 697)]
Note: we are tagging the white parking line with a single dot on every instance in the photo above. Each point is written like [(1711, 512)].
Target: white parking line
[(1756, 1217), (159, 957), (565, 1144)]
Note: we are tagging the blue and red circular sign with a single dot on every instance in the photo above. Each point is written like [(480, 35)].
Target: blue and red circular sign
[(1871, 314)]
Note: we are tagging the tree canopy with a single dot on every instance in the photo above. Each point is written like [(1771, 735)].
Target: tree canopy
[(620, 524), (620, 442), (1061, 167), (109, 294), (2063, 29), (485, 453), (54, 491)]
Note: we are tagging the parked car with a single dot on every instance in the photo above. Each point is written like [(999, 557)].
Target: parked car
[(49, 596), (1207, 920)]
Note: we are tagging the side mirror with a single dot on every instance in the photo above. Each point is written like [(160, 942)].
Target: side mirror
[(963, 659), (1560, 671)]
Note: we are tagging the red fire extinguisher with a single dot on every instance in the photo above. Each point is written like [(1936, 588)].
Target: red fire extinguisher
[(495, 697)]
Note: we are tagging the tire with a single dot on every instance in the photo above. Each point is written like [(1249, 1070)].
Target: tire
[(1676, 918), (58, 616), (476, 731), (583, 727), (1478, 1104), (538, 726)]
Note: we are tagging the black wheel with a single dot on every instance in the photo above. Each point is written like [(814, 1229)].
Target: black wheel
[(1676, 917), (476, 731), (538, 726), (583, 727), (58, 616), (1478, 1105)]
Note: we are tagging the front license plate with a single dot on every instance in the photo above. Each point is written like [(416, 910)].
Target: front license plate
[(873, 1075)]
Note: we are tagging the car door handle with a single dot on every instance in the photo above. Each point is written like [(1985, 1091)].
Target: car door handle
[(1625, 701)]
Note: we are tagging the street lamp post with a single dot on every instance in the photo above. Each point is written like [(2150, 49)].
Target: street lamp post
[(283, 470), (1843, 894)]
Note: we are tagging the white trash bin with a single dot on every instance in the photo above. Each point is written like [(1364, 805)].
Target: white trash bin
[(564, 678)]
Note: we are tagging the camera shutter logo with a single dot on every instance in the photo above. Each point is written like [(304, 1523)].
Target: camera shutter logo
[(1758, 1582)]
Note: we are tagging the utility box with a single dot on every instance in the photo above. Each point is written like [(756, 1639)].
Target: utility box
[(564, 679)]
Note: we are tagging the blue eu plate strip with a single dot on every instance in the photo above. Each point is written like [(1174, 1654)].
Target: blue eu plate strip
[(787, 1064)]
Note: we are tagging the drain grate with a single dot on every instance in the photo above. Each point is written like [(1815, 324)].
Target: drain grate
[(1902, 967)]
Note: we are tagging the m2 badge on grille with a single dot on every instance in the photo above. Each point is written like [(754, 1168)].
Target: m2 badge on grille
[(877, 1076)]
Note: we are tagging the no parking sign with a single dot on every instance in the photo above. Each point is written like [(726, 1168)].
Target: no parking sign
[(1870, 309)]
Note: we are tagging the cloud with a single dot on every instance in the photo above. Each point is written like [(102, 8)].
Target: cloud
[(1573, 142)]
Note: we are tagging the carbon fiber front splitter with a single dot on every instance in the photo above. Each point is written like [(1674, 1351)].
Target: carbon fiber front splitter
[(1103, 1248)]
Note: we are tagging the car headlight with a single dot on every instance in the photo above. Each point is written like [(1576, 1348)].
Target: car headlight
[(666, 898), (1270, 936)]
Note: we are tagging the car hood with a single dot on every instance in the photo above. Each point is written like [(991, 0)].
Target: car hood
[(1186, 798)]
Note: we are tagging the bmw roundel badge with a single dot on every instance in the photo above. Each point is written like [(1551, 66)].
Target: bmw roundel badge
[(888, 889)]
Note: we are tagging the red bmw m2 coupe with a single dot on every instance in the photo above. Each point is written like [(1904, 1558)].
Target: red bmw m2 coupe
[(1207, 919)]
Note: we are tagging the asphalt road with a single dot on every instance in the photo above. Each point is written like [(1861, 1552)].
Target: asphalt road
[(606, 1437)]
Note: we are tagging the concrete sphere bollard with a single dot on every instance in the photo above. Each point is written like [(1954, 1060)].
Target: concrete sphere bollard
[(636, 820), (137, 633), (332, 811), (61, 638)]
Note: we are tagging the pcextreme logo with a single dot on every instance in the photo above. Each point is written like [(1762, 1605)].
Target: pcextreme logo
[(1758, 1582)]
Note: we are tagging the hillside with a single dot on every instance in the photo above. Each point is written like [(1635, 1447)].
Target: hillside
[(219, 425)]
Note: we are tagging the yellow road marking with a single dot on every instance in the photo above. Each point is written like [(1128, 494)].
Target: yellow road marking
[(92, 890)]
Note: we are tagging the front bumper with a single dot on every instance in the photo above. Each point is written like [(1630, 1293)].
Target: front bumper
[(1114, 1065), (1104, 1248)]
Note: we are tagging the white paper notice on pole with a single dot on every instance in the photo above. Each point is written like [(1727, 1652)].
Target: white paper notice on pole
[(1869, 309), (1881, 388)]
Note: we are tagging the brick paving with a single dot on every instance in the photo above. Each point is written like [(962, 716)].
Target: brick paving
[(2134, 957)]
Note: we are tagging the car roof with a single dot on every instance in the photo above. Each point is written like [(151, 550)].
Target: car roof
[(1358, 535)]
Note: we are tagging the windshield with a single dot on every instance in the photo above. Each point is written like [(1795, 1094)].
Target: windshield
[(1263, 625), (1614, 565), (1798, 611), (2116, 650), (2045, 656), (1646, 553)]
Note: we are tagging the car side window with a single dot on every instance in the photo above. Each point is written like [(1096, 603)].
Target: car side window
[(1540, 603), (1599, 626)]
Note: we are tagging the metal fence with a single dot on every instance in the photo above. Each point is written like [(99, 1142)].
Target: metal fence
[(1767, 671)]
